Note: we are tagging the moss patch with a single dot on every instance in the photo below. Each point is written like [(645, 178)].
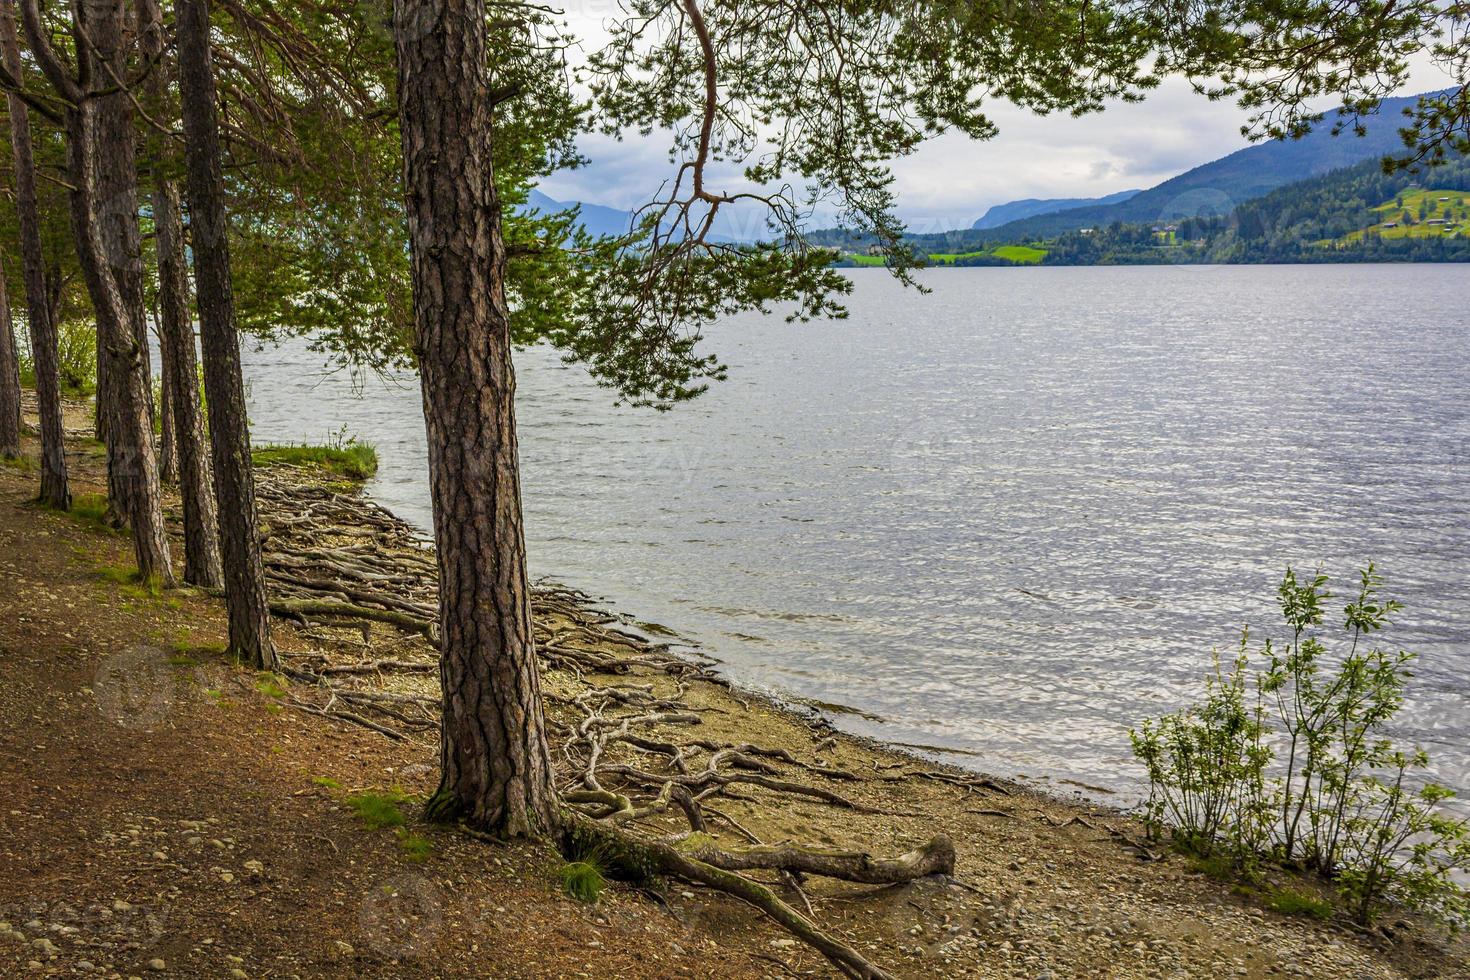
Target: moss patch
[(379, 810)]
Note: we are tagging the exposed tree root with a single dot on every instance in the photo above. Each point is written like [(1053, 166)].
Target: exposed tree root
[(337, 561), (934, 858), (637, 858)]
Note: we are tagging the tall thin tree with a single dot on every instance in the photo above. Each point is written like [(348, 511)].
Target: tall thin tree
[(95, 145), (245, 596), (40, 323), (9, 376), (496, 768), (176, 334)]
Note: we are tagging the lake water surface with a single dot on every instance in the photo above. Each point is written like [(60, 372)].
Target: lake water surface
[(1011, 517)]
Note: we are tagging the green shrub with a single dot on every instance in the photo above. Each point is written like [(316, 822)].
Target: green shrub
[(1303, 773), (76, 350)]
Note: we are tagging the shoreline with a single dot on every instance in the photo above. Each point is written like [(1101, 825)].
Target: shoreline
[(1043, 886)]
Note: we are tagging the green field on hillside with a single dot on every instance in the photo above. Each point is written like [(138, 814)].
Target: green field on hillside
[(1409, 215), (1016, 254)]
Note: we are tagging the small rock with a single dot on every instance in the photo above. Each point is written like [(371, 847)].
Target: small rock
[(783, 943), (226, 877), (45, 946), (254, 867), (157, 964)]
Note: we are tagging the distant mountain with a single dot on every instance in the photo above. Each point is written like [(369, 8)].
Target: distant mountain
[(1219, 186), (595, 219), (1002, 214)]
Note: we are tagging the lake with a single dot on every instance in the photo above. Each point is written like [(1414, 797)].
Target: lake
[(1012, 517)]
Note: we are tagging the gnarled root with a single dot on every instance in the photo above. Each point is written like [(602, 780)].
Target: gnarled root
[(934, 858), (698, 860)]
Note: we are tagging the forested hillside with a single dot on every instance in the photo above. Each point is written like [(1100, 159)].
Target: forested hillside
[(1336, 217)]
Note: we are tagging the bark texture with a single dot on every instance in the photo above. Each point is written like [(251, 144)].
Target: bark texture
[(99, 143), (234, 483), (115, 207), (168, 457), (202, 565), (495, 763), (9, 377), (39, 321)]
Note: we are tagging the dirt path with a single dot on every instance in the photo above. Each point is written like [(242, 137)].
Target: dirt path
[(161, 816), (161, 813)]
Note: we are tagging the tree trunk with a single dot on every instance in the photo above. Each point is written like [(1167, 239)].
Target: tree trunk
[(176, 342), (114, 208), (234, 483), (495, 764), (41, 325), (9, 377), (168, 456), (132, 465)]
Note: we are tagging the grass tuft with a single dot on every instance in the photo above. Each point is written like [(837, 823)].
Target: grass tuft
[(415, 848), (583, 881), (91, 508), (379, 810), (1289, 902), (133, 584), (1216, 866)]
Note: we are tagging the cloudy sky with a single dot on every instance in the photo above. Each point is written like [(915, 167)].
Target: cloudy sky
[(950, 181)]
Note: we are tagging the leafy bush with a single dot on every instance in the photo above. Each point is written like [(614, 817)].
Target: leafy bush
[(1291, 763), (76, 350)]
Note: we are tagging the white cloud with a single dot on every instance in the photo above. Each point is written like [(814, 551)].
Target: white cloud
[(952, 180)]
